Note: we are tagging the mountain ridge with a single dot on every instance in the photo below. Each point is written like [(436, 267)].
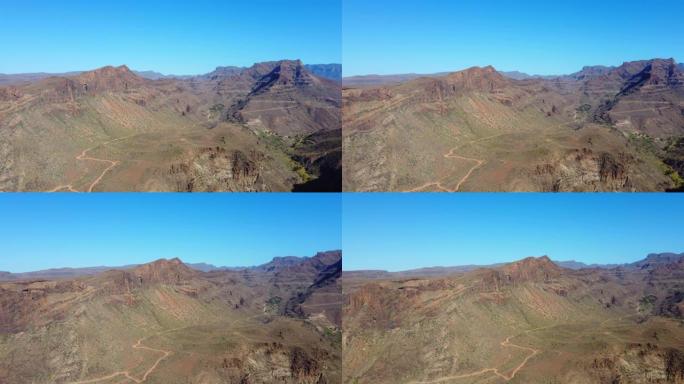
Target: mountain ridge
[(331, 71), (529, 262), (73, 272)]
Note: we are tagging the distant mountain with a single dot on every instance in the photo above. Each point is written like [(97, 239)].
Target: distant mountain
[(26, 78), (204, 267), (60, 273), (379, 80), (590, 72), (329, 71), (654, 260), (651, 261), (152, 75), (572, 264), (516, 75), (275, 265)]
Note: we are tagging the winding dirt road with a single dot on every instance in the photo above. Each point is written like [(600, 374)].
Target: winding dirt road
[(165, 354), (127, 374), (451, 155), (509, 377), (83, 156)]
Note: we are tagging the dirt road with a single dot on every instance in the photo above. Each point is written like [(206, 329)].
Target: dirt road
[(164, 355), (451, 155), (83, 156), (507, 344)]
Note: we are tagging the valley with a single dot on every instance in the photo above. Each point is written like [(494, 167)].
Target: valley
[(274, 126), (600, 129), (529, 321), (165, 322)]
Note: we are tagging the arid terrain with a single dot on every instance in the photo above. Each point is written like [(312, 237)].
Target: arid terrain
[(600, 129), (274, 126), (529, 321), (165, 322)]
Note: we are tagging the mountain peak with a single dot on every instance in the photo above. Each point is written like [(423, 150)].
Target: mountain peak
[(658, 259), (478, 78), (532, 268), (285, 73), (164, 271), (109, 78), (110, 70)]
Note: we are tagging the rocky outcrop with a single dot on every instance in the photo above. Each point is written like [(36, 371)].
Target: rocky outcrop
[(275, 362), (639, 364), (322, 297), (585, 169), (655, 73), (286, 73), (217, 169)]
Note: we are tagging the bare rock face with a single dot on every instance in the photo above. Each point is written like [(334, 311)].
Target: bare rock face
[(640, 363), (581, 168), (655, 73), (275, 362), (286, 73), (216, 169), (322, 297)]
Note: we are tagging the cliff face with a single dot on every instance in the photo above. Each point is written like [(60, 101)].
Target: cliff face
[(640, 364)]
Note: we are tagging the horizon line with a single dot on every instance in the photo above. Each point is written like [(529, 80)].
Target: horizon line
[(344, 76), (169, 258), (509, 262), (156, 71)]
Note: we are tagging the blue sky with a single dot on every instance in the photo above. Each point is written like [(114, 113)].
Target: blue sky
[(40, 231), (534, 36), (404, 231), (178, 37)]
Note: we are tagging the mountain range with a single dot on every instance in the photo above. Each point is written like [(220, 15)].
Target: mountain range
[(68, 272), (650, 260), (164, 322), (528, 321), (600, 129), (274, 126), (328, 71)]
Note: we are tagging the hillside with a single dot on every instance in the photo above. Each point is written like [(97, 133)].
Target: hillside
[(600, 129), (234, 129), (164, 322), (529, 321)]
